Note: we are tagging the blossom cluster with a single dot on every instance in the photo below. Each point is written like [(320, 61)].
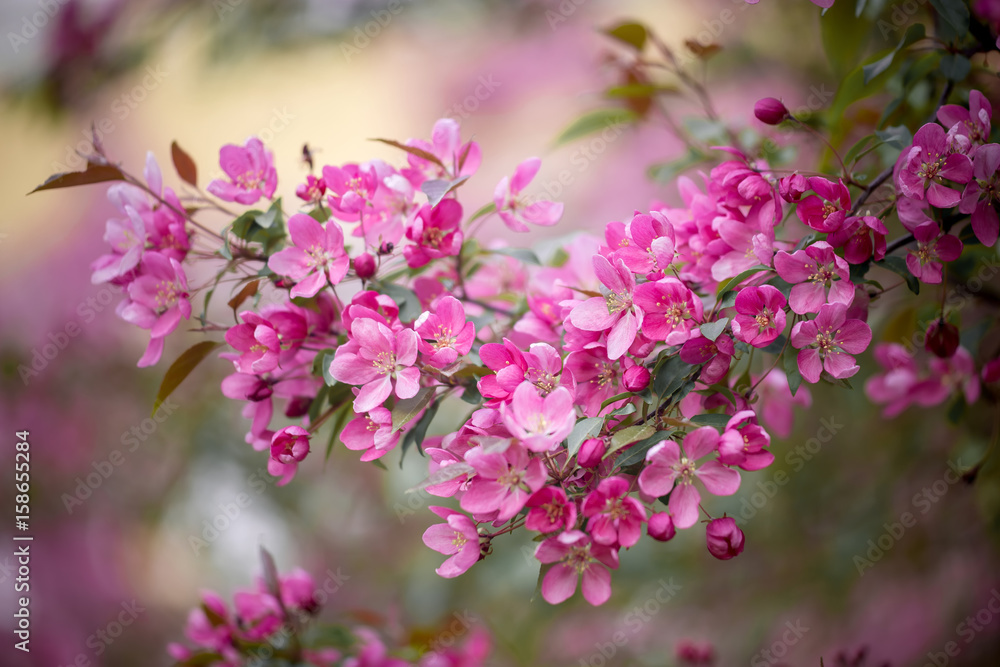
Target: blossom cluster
[(613, 388)]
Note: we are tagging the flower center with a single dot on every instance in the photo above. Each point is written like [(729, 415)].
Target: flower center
[(385, 363)]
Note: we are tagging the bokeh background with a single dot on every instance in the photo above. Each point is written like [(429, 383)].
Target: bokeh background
[(335, 74)]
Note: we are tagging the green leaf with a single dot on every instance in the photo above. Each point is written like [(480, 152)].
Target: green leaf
[(267, 219), (627, 436), (914, 33), (955, 13), (637, 452), (712, 330), (718, 421), (408, 408), (844, 36), (666, 172), (616, 397), (775, 346), (583, 430), (595, 121), (733, 282), (94, 173), (791, 365), (184, 165), (523, 254), (897, 136), (670, 376), (631, 33), (955, 66), (416, 435), (483, 210), (626, 409), (859, 149), (898, 266), (340, 419), (182, 367)]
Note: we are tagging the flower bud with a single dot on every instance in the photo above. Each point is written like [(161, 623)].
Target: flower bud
[(991, 371), (591, 452), (636, 378), (792, 187), (770, 111), (691, 653), (725, 539), (942, 339), (298, 406), (290, 444), (364, 266), (661, 527)]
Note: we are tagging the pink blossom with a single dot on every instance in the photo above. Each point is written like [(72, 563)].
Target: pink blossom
[(574, 556), (597, 379), (508, 364), (615, 517), (668, 471), (458, 538), (981, 194), (760, 317), (933, 248), (550, 510), (350, 188), (894, 388), (364, 266), (744, 443), (158, 300), (251, 171), (540, 423), (661, 527), (317, 258), (670, 310), (827, 343), (957, 372), (436, 233), (298, 591), (862, 238), (827, 209), (515, 210), (312, 190), (371, 433), (374, 357), (770, 111), (258, 615), (445, 335), (258, 343), (636, 378), (504, 481), (776, 405), (614, 312), (446, 144), (991, 372), (591, 452), (646, 245), (716, 354), (973, 122), (725, 539), (818, 275), (290, 444), (923, 168), (127, 239)]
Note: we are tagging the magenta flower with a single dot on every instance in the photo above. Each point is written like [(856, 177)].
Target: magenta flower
[(316, 259), (158, 302), (290, 444), (862, 237), (923, 168), (444, 334), (550, 510), (614, 312), (458, 538), (980, 195), (350, 189), (646, 245), (258, 343), (127, 239), (312, 190), (539, 423), (615, 517), (826, 210), (670, 310), (760, 317), (576, 556), (250, 168), (827, 343), (717, 356), (371, 433), (515, 210), (933, 247), (725, 539), (770, 111), (667, 471), (258, 615), (818, 275), (597, 379), (744, 443), (504, 481), (661, 527), (894, 387), (973, 122), (373, 358), (436, 233)]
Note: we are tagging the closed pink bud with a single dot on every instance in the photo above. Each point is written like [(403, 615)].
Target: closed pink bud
[(661, 527), (364, 266), (636, 378), (591, 452), (725, 539), (770, 111), (991, 371), (290, 444), (791, 188), (942, 339)]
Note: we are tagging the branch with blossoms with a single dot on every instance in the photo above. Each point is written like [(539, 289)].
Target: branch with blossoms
[(613, 387)]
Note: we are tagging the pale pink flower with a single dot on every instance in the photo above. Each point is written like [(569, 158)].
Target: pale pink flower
[(258, 343), (317, 258), (540, 423), (575, 556), (371, 433), (614, 312), (458, 538), (436, 232), (645, 245), (668, 471), (514, 209), (504, 481), (251, 171), (374, 357), (158, 300), (445, 335)]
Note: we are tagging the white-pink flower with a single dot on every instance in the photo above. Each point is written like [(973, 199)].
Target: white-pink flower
[(316, 259), (373, 358)]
